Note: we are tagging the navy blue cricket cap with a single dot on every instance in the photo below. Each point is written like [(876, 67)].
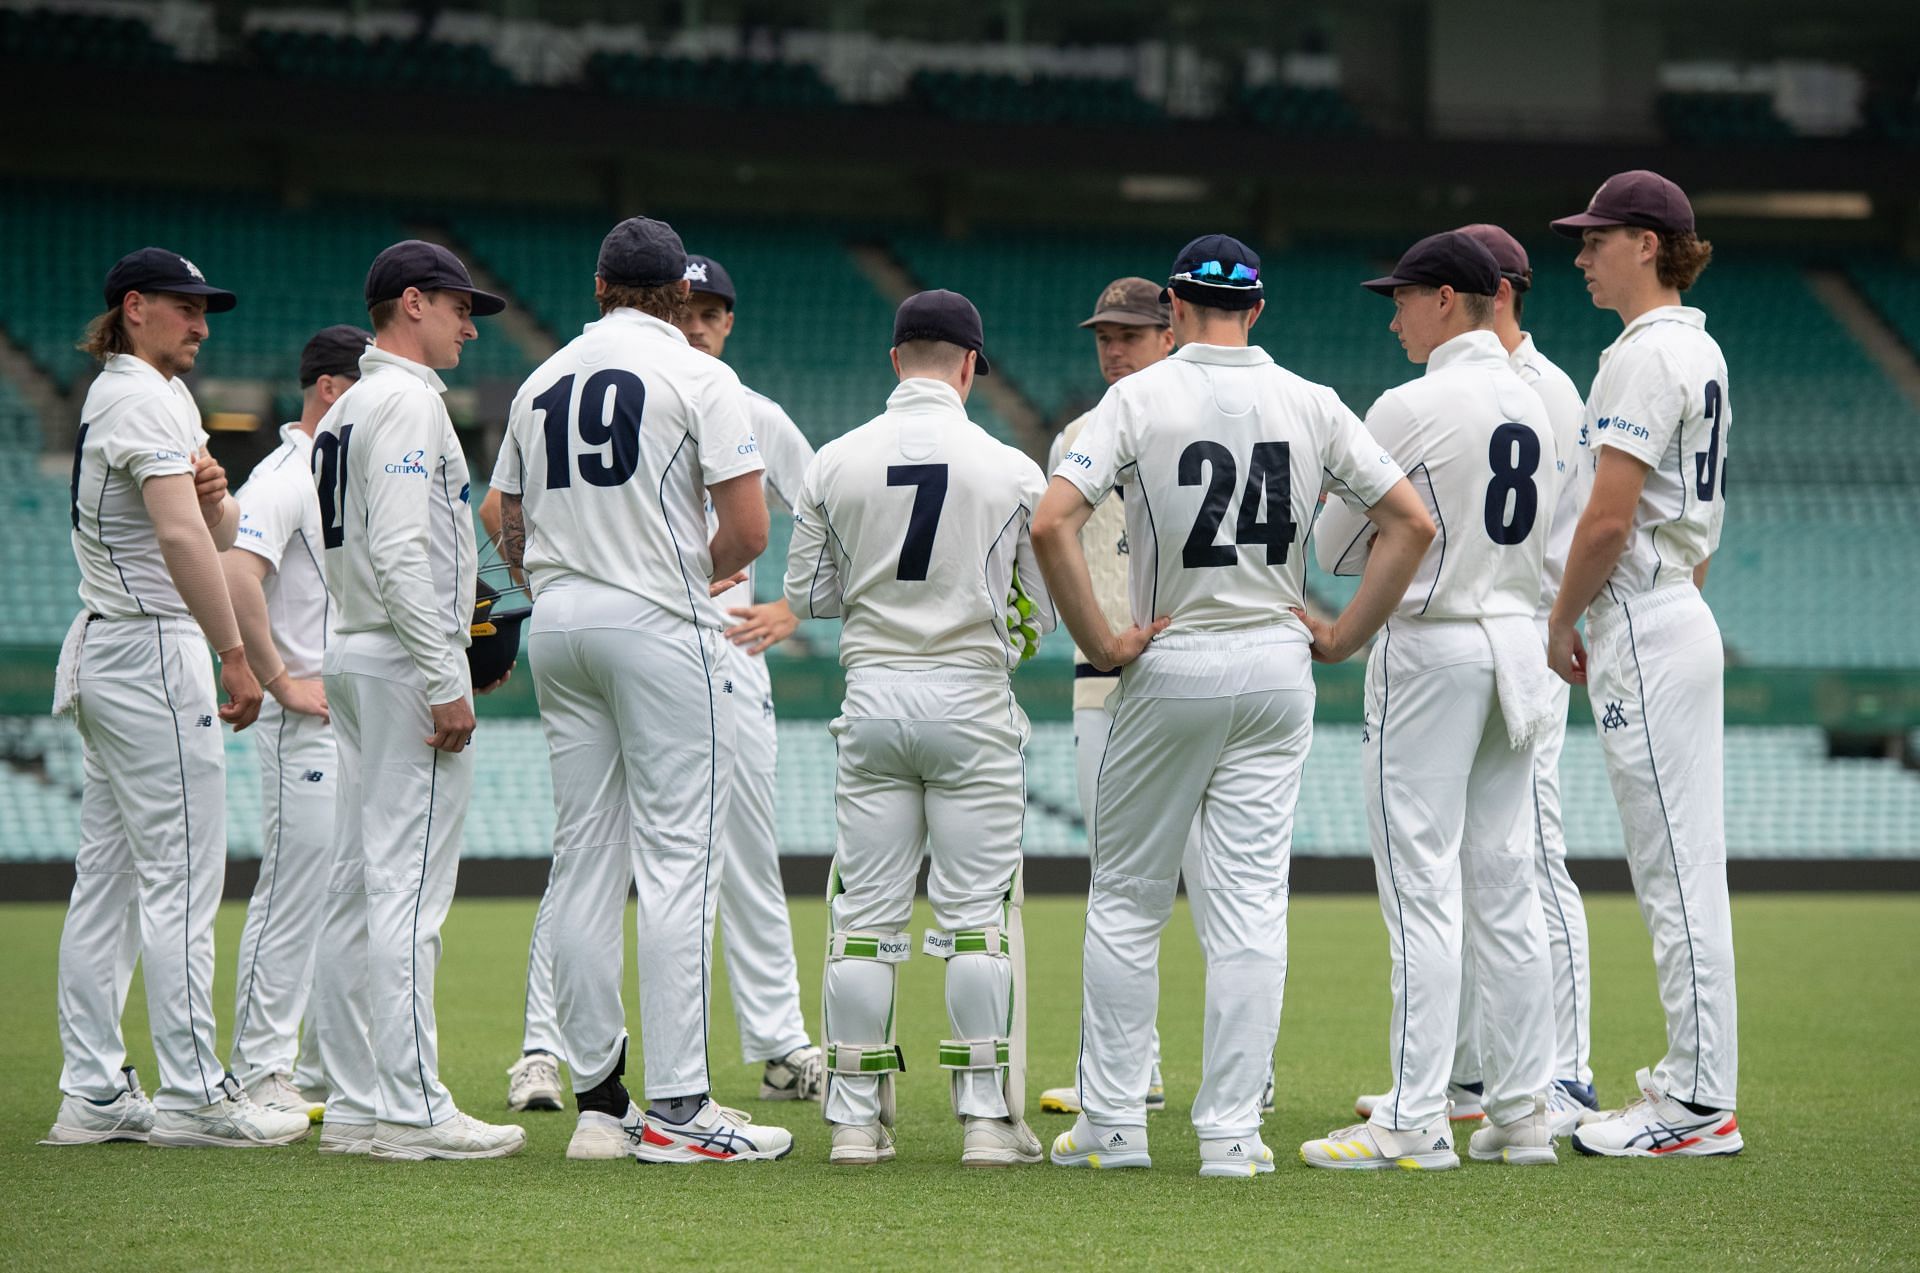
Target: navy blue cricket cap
[(1218, 271), (429, 267), (704, 274), (1452, 259), (158, 270), (1640, 198), (642, 252), (333, 351), (941, 315)]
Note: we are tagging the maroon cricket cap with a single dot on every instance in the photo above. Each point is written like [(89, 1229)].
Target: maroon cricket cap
[(1638, 198), (1506, 250)]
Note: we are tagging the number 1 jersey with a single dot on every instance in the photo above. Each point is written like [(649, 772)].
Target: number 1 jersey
[(611, 445), (1222, 456)]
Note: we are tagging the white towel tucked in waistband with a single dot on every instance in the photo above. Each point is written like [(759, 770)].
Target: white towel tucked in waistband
[(1521, 676), (66, 673)]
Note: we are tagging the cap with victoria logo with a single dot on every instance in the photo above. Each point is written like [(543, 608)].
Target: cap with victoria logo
[(333, 351), (159, 270), (1452, 258), (1506, 251), (642, 252), (1131, 302), (1639, 198), (945, 316), (429, 267), (1218, 271), (704, 274)]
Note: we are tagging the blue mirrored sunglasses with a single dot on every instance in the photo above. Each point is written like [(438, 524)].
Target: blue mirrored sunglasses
[(1214, 271)]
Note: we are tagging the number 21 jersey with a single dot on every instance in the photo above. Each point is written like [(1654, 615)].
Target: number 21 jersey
[(1221, 456)]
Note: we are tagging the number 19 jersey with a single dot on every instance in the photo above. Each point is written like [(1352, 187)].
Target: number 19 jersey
[(1221, 456), (611, 446)]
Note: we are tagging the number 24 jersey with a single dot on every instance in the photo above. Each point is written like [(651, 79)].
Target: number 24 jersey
[(1222, 456)]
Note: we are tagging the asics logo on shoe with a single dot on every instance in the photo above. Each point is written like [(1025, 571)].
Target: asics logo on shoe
[(1664, 1138)]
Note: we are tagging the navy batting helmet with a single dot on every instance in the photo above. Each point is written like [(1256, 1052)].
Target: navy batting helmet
[(496, 636)]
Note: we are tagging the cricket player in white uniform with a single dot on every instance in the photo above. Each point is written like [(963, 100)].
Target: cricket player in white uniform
[(613, 449), (1560, 903), (1658, 421), (913, 529), (401, 566), (150, 514), (750, 897), (1457, 690), (279, 590), (1214, 717)]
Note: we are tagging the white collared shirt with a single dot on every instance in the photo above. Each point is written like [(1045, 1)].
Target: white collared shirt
[(280, 523), (1566, 412), (611, 445), (394, 517), (1223, 456), (1661, 396), (911, 527), (1477, 444), (786, 453), (135, 424)]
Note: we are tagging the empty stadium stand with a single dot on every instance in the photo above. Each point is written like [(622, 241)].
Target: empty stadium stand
[(390, 61), (984, 97), (731, 82)]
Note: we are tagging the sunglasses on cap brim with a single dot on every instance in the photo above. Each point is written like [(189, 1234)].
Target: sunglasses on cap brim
[(1215, 274)]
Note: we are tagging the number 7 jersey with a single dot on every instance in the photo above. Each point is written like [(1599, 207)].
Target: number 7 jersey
[(1222, 456)]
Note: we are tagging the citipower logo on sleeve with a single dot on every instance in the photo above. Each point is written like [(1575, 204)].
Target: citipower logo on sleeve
[(410, 465)]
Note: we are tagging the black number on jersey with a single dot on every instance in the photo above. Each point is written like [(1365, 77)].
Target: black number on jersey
[(1707, 465), (330, 480), (929, 497), (611, 405), (79, 444), (1269, 473), (1514, 456)]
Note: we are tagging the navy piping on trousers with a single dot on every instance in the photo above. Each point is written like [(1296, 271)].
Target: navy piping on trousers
[(1093, 877), (426, 842), (1386, 835), (186, 824), (1559, 913), (272, 866)]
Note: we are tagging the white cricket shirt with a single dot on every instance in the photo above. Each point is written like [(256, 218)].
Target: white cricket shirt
[(1573, 467), (135, 424), (911, 527), (280, 523), (1660, 395), (394, 517), (1475, 441), (786, 453), (611, 446), (1222, 455), (1103, 542)]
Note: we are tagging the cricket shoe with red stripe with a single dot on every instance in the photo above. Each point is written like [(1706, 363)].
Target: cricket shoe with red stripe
[(1657, 1126), (716, 1134)]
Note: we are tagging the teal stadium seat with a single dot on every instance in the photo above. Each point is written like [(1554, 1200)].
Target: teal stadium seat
[(100, 40), (390, 61), (985, 97), (734, 82), (1722, 119)]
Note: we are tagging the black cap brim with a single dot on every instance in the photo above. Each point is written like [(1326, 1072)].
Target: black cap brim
[(1574, 226), (219, 300), (1385, 286), (1126, 317), (980, 367), (485, 304)]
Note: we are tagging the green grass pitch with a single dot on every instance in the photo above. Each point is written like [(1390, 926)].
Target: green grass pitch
[(1830, 1089)]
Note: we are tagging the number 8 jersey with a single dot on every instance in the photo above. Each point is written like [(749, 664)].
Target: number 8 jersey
[(1477, 444), (611, 446), (1222, 456)]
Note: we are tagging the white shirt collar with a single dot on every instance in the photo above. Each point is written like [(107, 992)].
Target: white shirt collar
[(375, 358), (292, 432), (917, 393), (1224, 355), (130, 365), (634, 318), (1666, 314), (1467, 348)]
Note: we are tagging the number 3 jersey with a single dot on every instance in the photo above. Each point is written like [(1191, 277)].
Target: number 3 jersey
[(911, 528), (1476, 442), (1222, 456), (611, 446), (1661, 396), (393, 488)]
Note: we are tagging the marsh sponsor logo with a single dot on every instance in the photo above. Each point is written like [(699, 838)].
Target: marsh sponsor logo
[(410, 465), (1084, 461)]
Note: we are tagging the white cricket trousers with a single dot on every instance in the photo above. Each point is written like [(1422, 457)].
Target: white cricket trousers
[(1655, 681), (930, 762), (751, 897), (151, 861), (1448, 804), (396, 851), (1566, 919), (639, 727), (298, 782), (1214, 726)]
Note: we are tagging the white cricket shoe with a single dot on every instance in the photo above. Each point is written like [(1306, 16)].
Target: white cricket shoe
[(459, 1137), (599, 1136), (860, 1145), (1364, 1147), (232, 1122), (1104, 1148), (800, 1075), (533, 1082), (714, 1135), (1237, 1156), (128, 1116), (1564, 1111), (1066, 1100), (1463, 1104), (350, 1139), (999, 1142), (1657, 1126), (276, 1091), (1525, 1142)]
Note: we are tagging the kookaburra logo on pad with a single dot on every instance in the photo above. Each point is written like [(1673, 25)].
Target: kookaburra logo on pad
[(696, 271)]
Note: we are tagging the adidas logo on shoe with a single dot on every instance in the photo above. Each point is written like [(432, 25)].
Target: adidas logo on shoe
[(1237, 1148), (1116, 1140), (1441, 1143)]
